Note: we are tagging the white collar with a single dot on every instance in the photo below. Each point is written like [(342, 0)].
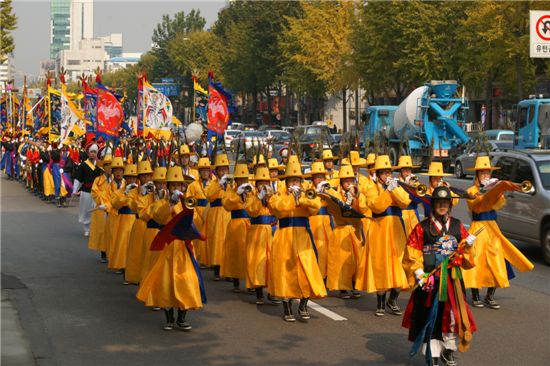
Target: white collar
[(438, 224)]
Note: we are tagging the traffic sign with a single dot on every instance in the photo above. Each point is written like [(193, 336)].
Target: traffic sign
[(539, 22), (170, 90)]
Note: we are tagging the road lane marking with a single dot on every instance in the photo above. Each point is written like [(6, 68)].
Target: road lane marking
[(326, 312)]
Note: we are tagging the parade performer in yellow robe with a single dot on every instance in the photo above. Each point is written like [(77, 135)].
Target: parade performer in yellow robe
[(142, 199), (321, 224), (102, 198), (217, 217), (293, 270), (117, 182), (344, 246), (185, 159), (276, 183), (493, 252), (234, 251), (410, 213), (328, 163), (260, 233), (197, 190), (380, 269), (120, 201), (153, 227), (174, 281)]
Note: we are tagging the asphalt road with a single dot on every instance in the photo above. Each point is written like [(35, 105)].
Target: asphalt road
[(76, 312)]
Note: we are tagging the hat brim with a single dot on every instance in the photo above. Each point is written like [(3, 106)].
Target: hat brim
[(425, 174), (401, 167)]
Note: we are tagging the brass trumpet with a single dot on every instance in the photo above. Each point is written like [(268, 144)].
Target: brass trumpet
[(310, 193), (526, 186), (230, 179), (420, 188), (414, 180), (190, 202)]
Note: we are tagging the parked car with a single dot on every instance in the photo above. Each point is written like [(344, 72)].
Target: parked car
[(228, 137), (310, 136), (467, 159), (249, 138), (235, 126), (277, 136), (289, 129), (500, 135), (526, 216), (269, 127)]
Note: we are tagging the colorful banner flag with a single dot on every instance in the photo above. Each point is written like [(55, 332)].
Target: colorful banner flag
[(71, 117), (54, 114), (220, 107), (155, 110)]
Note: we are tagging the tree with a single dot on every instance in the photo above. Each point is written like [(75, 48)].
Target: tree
[(195, 53), (8, 23)]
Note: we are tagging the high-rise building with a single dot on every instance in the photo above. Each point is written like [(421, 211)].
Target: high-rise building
[(113, 44), (60, 26), (82, 21)]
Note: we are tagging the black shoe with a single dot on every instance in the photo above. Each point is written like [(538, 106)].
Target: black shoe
[(345, 295), (447, 358), (169, 313), (476, 302), (435, 361), (491, 303), (259, 296), (355, 294), (274, 300), (381, 304), (394, 308), (302, 310), (287, 307), (181, 322)]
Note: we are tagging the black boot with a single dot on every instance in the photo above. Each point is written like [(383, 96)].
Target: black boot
[(124, 282), (169, 319), (259, 296), (236, 284), (490, 300), (181, 322), (392, 302), (64, 202), (103, 257), (287, 307), (217, 273), (58, 200), (302, 310), (476, 302), (345, 295), (447, 358), (381, 307)]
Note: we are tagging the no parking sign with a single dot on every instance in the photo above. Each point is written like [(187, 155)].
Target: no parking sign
[(540, 33)]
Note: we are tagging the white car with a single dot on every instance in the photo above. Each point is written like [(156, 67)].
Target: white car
[(228, 137)]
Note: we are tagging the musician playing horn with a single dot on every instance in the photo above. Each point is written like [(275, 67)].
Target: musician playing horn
[(494, 253)]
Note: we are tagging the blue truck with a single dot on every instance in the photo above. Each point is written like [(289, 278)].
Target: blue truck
[(429, 122), (532, 127)]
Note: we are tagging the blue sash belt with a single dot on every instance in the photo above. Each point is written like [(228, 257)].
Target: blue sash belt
[(263, 220), (324, 212), (390, 211), (216, 203), (484, 216), (152, 224), (125, 211), (202, 202), (299, 222), (239, 214), (198, 272)]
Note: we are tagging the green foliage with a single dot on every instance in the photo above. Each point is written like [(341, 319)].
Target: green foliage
[(8, 23)]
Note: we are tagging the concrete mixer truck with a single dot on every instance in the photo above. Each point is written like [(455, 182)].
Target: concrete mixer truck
[(429, 122)]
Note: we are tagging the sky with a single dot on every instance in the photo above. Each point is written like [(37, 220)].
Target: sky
[(134, 19)]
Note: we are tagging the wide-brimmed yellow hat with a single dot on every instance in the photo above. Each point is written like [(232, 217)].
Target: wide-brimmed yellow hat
[(117, 162), (262, 174), (144, 167), (327, 155), (241, 171), (174, 175), (221, 160), (483, 163), (203, 163), (435, 170), (130, 170), (371, 158), (274, 164), (293, 168), (346, 171), (382, 162), (260, 160), (184, 150), (106, 161), (159, 174), (355, 158), (317, 167), (405, 161)]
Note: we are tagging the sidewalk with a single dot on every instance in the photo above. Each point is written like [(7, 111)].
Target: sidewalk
[(15, 347)]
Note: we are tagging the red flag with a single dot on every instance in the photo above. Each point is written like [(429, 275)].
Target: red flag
[(218, 113)]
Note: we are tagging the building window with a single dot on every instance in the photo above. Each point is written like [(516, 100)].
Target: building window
[(73, 62)]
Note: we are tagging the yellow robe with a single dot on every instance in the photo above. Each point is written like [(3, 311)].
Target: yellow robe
[(293, 270), (101, 195), (344, 249), (321, 228), (112, 215), (135, 250), (367, 187), (124, 223), (381, 267), (234, 251), (172, 281), (47, 181), (216, 222), (258, 243), (197, 190), (491, 249), (150, 256)]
